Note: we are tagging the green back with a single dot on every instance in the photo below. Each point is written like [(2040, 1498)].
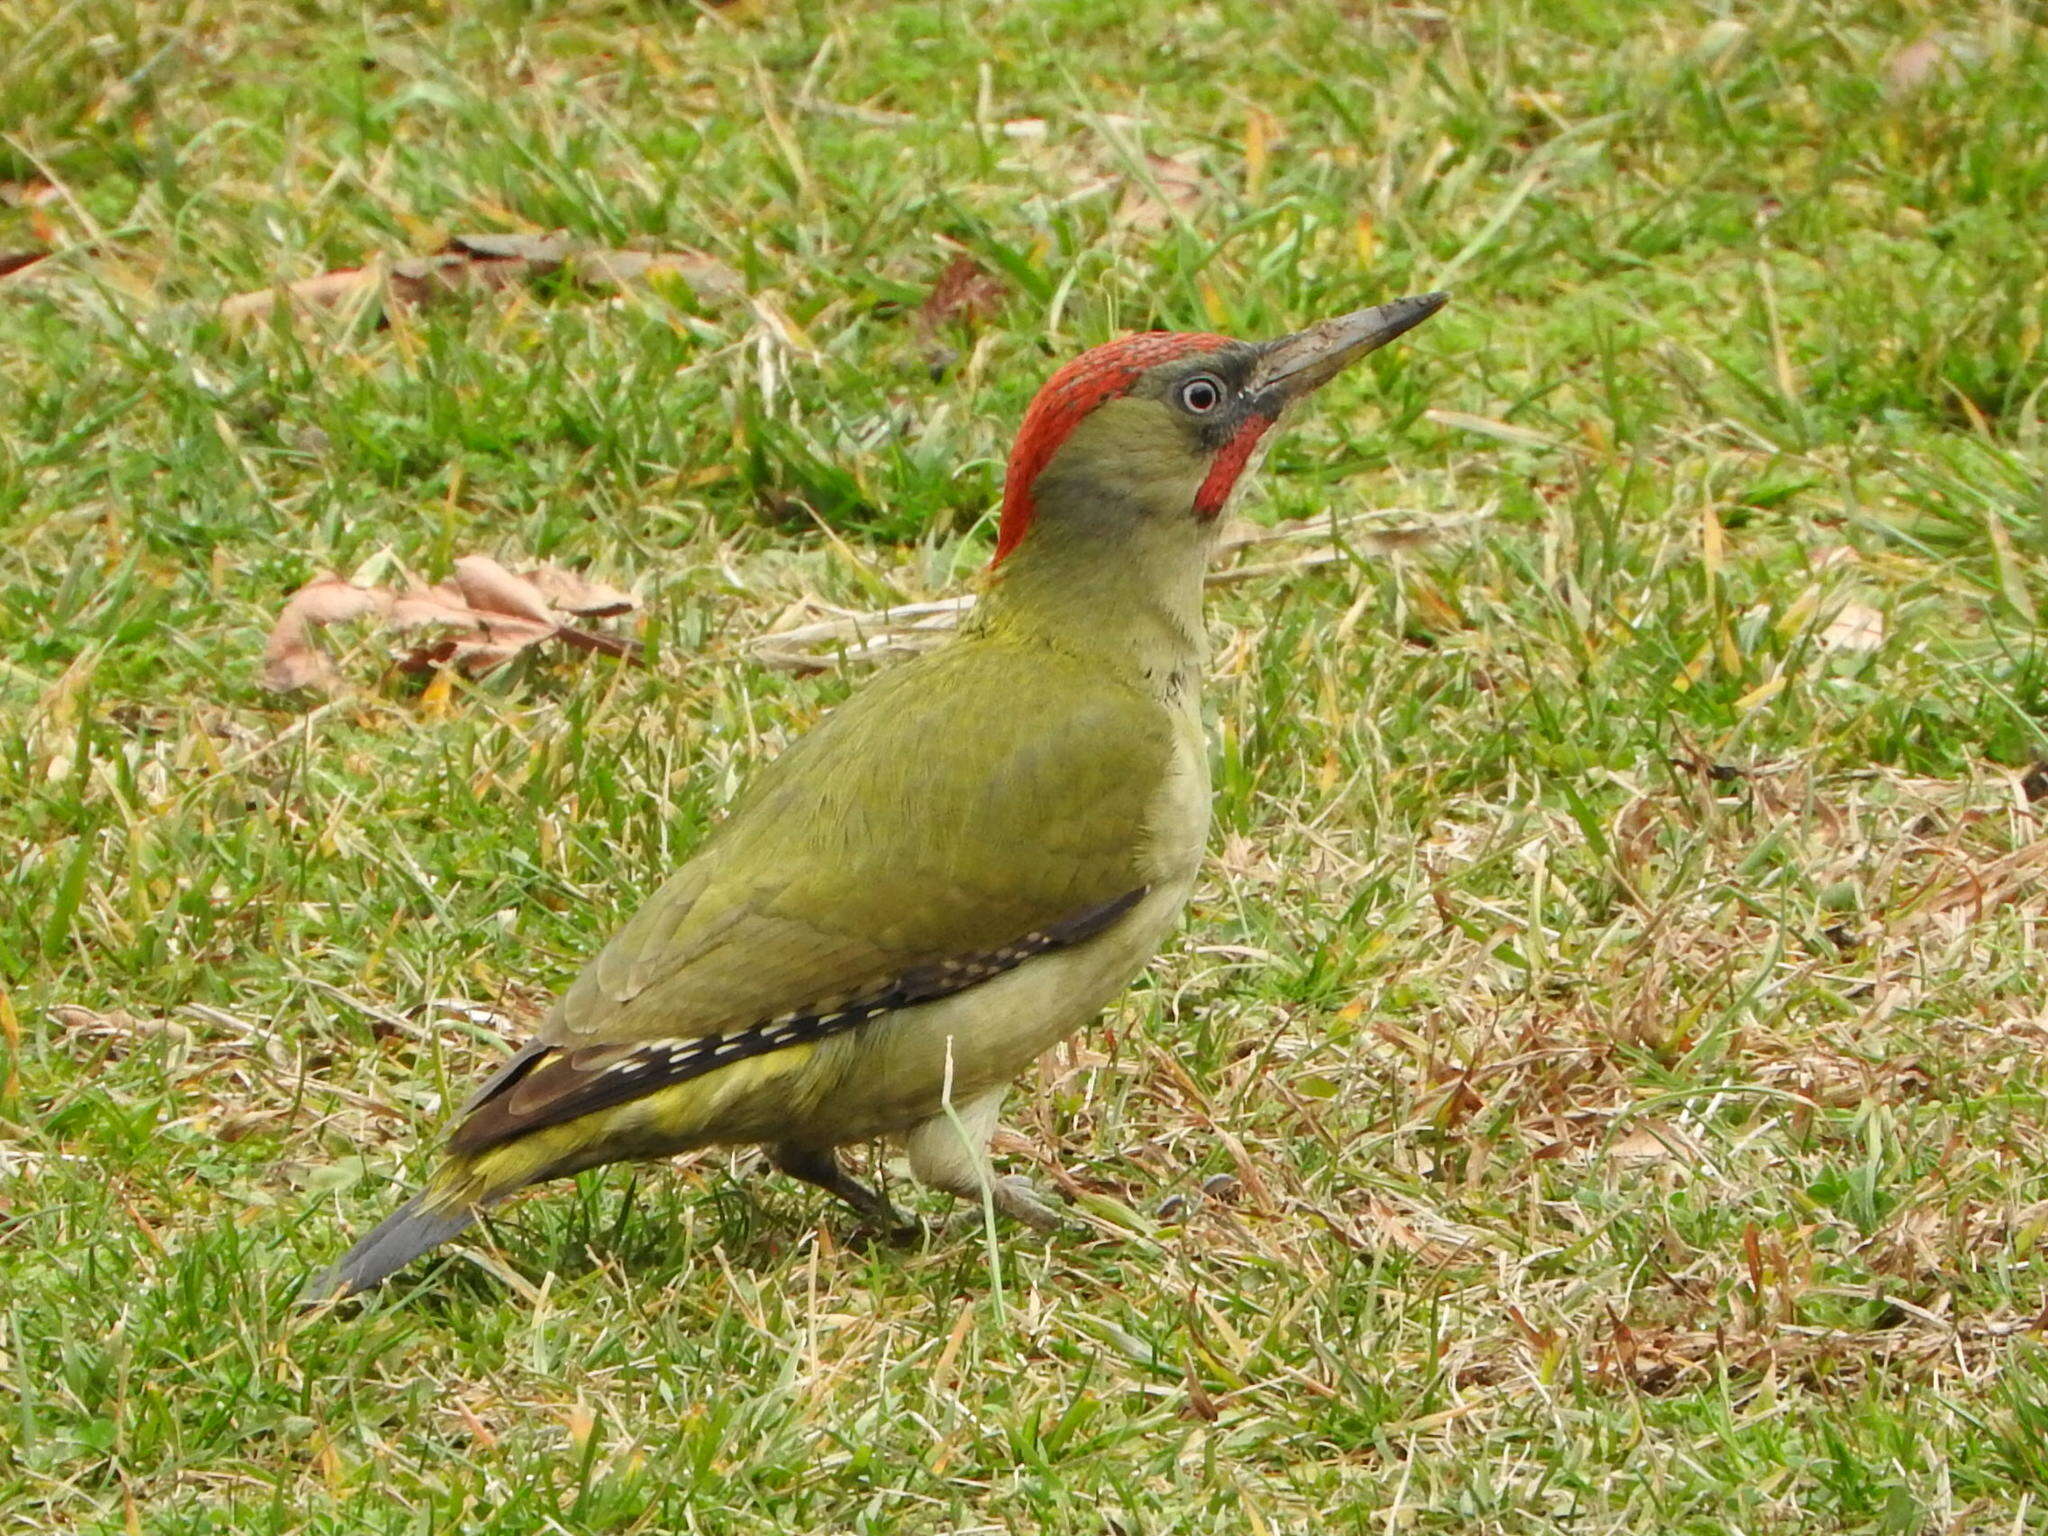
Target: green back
[(957, 803)]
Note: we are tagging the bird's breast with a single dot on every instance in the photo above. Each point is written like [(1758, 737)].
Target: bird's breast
[(1177, 827), (903, 1068)]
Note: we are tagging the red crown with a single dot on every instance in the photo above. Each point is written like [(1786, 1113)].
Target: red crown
[(1104, 373)]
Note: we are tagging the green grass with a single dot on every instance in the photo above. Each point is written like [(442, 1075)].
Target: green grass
[(1617, 1005)]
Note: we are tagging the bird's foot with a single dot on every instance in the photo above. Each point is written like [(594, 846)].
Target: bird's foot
[(897, 1231), (879, 1219), (1019, 1199)]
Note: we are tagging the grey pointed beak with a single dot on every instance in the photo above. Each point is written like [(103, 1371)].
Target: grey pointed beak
[(1294, 365)]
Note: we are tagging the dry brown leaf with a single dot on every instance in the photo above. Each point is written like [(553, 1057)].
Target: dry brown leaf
[(290, 659), (14, 261), (119, 1025), (966, 292), (491, 588), (540, 255), (1436, 1249), (1424, 22), (442, 603), (1151, 191), (569, 592), (490, 614), (1246, 858), (1915, 64), (327, 291), (479, 263), (1173, 185), (490, 641), (498, 614), (1910, 1243), (33, 193), (1655, 1141), (1855, 627)]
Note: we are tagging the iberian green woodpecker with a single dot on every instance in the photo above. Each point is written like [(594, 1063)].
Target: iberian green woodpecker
[(955, 870)]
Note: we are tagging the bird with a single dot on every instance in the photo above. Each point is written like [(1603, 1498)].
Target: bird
[(958, 867)]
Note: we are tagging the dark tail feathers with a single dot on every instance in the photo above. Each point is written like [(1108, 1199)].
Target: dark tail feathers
[(392, 1244)]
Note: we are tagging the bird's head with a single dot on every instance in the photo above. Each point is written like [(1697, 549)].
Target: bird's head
[(1154, 432)]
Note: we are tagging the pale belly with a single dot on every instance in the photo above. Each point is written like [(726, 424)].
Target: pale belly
[(904, 1069)]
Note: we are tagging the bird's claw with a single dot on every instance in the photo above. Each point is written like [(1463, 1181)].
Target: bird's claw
[(1020, 1200), (895, 1232), (1018, 1197)]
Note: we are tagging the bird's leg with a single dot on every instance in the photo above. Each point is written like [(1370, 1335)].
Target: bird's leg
[(820, 1166), (950, 1152)]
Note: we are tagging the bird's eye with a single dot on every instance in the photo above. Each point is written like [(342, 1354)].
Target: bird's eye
[(1201, 394)]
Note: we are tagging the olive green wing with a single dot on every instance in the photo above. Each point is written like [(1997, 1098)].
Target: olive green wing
[(958, 815)]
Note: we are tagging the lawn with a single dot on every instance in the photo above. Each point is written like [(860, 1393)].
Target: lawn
[(1599, 1087)]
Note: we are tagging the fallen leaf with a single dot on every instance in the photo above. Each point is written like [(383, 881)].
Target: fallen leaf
[(1910, 1244), (14, 261), (290, 659), (1246, 858), (1915, 64), (119, 1025), (572, 593), (966, 292), (477, 1427), (598, 267), (240, 1124), (1432, 1249), (490, 614), (330, 290), (491, 588), (1152, 191), (499, 614), (1855, 627), (1425, 23), (495, 616), (1655, 1141), (1364, 239), (1172, 186), (33, 193), (581, 1424), (442, 603), (471, 264), (437, 698)]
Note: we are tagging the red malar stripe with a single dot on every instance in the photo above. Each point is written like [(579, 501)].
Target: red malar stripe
[(1228, 464)]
